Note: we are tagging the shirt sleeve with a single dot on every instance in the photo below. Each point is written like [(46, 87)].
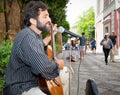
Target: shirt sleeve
[(35, 57), (101, 42)]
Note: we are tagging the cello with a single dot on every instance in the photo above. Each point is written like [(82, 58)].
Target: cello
[(51, 87)]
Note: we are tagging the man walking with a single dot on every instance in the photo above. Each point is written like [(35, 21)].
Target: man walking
[(112, 52), (82, 45)]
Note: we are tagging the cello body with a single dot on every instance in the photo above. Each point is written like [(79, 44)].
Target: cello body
[(51, 87)]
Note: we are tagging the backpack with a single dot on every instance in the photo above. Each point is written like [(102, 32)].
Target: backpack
[(91, 87)]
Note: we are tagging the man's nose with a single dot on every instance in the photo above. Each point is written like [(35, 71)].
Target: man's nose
[(49, 19)]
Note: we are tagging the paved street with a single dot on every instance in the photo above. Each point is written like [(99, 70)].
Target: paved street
[(107, 77)]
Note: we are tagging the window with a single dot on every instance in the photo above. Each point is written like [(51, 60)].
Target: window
[(106, 29), (106, 3)]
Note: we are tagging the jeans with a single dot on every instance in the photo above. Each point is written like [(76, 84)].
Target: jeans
[(106, 54)]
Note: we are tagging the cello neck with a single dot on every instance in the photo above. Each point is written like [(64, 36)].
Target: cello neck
[(53, 43)]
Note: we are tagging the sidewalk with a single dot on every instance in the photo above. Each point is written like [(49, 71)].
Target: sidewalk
[(107, 77), (117, 58)]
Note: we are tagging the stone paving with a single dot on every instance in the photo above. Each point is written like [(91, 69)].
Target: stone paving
[(107, 77)]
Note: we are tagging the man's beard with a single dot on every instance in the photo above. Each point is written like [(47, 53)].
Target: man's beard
[(43, 27)]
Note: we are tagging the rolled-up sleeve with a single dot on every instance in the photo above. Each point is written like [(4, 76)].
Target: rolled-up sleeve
[(35, 57)]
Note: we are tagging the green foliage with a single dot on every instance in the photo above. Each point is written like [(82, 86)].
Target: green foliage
[(2, 82), (86, 23), (1, 8), (64, 37), (58, 47), (5, 50), (91, 32)]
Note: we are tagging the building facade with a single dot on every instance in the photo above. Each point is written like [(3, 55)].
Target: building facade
[(107, 19)]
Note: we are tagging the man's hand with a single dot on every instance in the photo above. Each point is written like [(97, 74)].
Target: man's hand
[(47, 39), (55, 29), (60, 63)]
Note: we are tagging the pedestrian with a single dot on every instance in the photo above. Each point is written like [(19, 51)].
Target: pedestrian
[(107, 46), (28, 60), (112, 52), (66, 46), (93, 45), (82, 45)]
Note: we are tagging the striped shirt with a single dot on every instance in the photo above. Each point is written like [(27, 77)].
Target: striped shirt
[(28, 60)]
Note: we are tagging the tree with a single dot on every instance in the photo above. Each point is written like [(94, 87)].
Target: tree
[(10, 17), (86, 23)]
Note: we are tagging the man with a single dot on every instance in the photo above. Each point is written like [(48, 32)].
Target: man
[(112, 52), (28, 60), (82, 45), (93, 45)]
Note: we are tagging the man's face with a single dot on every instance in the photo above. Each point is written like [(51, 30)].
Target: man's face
[(43, 21)]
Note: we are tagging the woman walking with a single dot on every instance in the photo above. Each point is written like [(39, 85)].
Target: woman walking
[(107, 46)]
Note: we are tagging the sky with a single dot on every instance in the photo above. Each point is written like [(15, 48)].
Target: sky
[(76, 8)]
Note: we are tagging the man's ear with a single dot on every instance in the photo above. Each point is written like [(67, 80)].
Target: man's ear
[(33, 21)]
